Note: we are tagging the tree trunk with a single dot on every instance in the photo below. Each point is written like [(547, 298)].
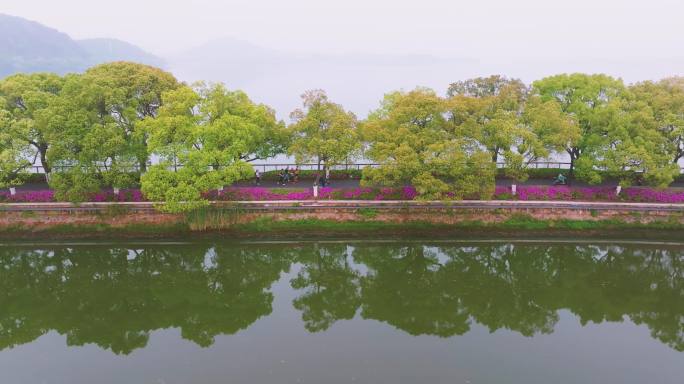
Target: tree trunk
[(572, 165), (571, 174), (142, 165), (42, 150)]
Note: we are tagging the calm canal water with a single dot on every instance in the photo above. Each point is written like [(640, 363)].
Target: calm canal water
[(342, 312)]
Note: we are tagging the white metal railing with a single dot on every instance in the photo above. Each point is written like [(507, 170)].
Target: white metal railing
[(314, 166)]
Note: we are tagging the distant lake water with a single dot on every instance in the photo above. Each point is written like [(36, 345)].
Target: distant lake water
[(342, 312)]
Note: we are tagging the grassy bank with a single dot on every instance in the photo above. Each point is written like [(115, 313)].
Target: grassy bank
[(312, 229), (518, 226)]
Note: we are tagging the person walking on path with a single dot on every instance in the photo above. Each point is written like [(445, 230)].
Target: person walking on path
[(257, 177), (317, 177), (560, 180), (295, 175), (286, 175)]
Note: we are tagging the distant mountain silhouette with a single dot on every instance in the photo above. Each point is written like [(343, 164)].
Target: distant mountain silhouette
[(106, 50), (27, 46)]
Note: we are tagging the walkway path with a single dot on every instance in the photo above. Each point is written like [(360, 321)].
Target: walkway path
[(353, 183)]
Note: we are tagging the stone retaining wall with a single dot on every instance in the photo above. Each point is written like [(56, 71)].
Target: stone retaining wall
[(38, 217)]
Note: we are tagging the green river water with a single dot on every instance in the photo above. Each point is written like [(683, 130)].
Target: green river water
[(342, 312)]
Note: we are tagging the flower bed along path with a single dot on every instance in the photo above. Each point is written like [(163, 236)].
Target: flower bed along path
[(524, 193)]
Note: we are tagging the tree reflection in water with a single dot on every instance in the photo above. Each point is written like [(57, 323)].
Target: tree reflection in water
[(115, 297)]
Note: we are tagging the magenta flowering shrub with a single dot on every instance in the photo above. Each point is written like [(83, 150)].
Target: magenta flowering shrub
[(589, 194), (503, 193), (43, 196), (266, 194), (524, 192), (404, 193), (124, 195), (653, 196), (260, 194), (595, 193), (48, 196), (534, 192), (358, 194), (409, 193)]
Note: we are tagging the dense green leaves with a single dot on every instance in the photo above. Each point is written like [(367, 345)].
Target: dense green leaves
[(323, 131), (210, 132), (511, 92), (618, 131), (29, 100), (414, 143), (666, 99), (97, 122), (13, 151), (119, 95), (588, 99)]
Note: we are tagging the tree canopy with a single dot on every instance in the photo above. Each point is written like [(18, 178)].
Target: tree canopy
[(617, 131), (588, 99), (413, 143), (13, 152), (28, 98), (666, 99), (323, 131), (119, 95), (513, 127), (512, 91), (210, 132)]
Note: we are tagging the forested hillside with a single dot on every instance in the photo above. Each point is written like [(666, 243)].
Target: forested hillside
[(27, 46)]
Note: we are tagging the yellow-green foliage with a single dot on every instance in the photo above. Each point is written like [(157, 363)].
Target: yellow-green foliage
[(414, 144), (323, 131), (209, 131), (12, 151)]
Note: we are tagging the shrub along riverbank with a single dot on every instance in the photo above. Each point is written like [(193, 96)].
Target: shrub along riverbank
[(523, 193), (315, 229), (349, 174)]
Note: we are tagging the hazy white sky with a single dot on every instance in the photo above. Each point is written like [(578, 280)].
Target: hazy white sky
[(527, 39), (482, 29)]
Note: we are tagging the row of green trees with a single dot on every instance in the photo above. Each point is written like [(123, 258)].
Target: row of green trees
[(452, 144), (101, 128)]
